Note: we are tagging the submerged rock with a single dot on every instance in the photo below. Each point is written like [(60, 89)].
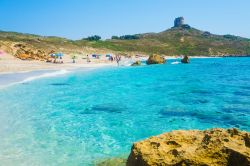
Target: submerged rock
[(217, 147), (136, 63), (112, 162), (185, 59), (156, 59)]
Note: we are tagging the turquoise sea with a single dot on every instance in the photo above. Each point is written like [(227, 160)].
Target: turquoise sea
[(83, 117)]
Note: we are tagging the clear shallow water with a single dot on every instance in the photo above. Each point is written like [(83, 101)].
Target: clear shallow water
[(82, 117), (10, 79)]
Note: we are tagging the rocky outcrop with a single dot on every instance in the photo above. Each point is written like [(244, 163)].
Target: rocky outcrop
[(217, 147), (26, 52), (136, 63), (156, 59), (185, 59), (6, 47), (206, 34)]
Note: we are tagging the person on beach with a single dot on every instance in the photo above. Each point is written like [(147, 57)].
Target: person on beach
[(88, 60), (74, 58), (118, 59), (111, 58), (61, 61)]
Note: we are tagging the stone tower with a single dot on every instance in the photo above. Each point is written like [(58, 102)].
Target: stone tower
[(178, 22)]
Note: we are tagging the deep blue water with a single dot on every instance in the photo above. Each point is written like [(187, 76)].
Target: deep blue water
[(84, 117)]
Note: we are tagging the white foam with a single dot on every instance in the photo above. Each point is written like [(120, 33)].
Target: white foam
[(45, 75), (175, 63), (32, 78), (126, 63)]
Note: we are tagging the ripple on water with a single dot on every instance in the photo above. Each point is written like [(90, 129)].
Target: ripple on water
[(194, 101), (59, 84), (201, 92), (103, 108), (245, 87), (236, 110), (242, 93), (217, 117)]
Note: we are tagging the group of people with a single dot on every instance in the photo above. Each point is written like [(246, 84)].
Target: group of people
[(117, 58), (57, 58)]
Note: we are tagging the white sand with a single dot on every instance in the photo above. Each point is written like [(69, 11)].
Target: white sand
[(10, 64), (14, 71)]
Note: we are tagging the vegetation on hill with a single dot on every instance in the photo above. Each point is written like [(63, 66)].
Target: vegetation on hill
[(175, 41), (187, 41), (126, 37), (93, 38)]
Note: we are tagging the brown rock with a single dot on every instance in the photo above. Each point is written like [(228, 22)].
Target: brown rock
[(217, 147), (156, 59), (185, 59), (23, 56)]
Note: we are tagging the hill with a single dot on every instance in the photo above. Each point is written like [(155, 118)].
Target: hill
[(180, 39), (183, 39)]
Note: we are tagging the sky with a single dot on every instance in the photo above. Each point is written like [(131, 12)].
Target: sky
[(76, 19)]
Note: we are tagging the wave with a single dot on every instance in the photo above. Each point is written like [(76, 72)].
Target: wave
[(175, 63), (35, 77), (126, 63), (45, 75)]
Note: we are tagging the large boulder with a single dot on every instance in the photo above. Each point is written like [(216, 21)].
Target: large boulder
[(156, 59), (185, 59), (217, 147)]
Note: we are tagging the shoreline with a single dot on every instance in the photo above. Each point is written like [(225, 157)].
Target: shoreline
[(14, 71), (12, 65), (43, 66), (192, 57), (8, 79)]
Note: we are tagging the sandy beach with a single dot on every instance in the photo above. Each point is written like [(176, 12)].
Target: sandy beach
[(14, 70), (10, 64)]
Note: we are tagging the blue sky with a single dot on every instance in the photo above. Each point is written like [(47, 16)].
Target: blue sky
[(76, 19)]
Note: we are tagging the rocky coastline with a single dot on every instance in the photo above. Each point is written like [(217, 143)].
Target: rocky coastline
[(217, 147)]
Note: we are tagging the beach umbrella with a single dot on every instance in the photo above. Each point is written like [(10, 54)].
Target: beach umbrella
[(59, 54)]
